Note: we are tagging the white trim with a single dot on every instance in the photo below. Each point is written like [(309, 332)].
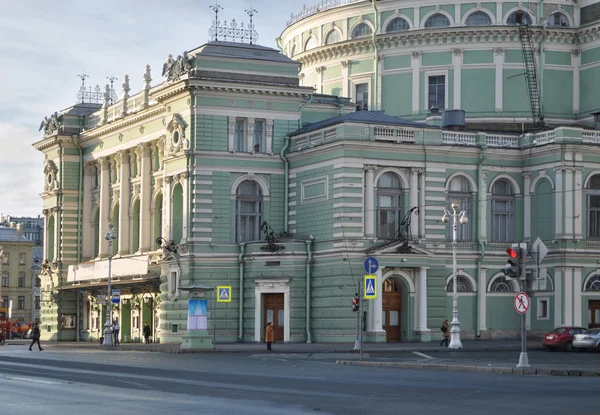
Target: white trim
[(589, 177), (433, 12), (279, 286), (252, 177), (559, 11), (332, 29), (523, 9), (477, 9), (474, 188), (402, 274), (403, 177), (568, 291), (558, 297), (511, 281), (314, 181), (395, 16), (464, 274), (427, 75), (539, 300), (358, 22), (577, 310), (310, 37), (539, 178), (587, 278), (363, 78), (516, 187)]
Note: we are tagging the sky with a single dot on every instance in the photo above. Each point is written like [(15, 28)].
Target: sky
[(45, 45)]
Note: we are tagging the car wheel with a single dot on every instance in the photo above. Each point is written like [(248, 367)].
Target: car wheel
[(568, 347)]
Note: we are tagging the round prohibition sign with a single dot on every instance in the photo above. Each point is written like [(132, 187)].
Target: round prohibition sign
[(521, 303)]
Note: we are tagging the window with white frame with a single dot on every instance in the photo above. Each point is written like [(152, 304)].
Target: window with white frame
[(501, 285), (593, 207), (5, 278), (311, 43), (361, 30), (437, 91), (478, 18), (463, 285), (21, 259), (21, 302), (519, 18), (362, 97), (389, 205), (249, 210), (593, 284), (5, 258), (398, 24), (5, 300), (503, 212), (240, 135), (333, 37), (460, 192), (437, 20), (557, 19), (21, 280), (543, 312), (259, 137)]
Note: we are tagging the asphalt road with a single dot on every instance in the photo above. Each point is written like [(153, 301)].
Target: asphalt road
[(74, 381)]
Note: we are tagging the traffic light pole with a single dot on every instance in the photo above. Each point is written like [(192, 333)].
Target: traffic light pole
[(523, 358), (358, 342)]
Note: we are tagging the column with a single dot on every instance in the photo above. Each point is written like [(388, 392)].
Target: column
[(122, 157), (527, 206), (483, 205), (558, 296), (184, 177), (319, 85), (578, 203), (369, 213), (145, 198), (103, 166), (45, 237), (86, 222), (249, 135), (499, 14), (414, 200), (457, 59), (568, 297), (417, 18), (577, 310), (269, 137), (378, 304), (576, 58), (345, 74), (568, 203), (422, 206), (57, 220), (416, 75), (422, 300), (166, 220), (499, 62), (457, 15), (482, 288), (558, 215)]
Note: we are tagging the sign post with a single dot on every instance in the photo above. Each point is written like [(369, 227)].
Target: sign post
[(522, 305), (357, 341)]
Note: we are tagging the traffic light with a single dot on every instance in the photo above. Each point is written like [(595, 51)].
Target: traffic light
[(512, 269), (355, 305)]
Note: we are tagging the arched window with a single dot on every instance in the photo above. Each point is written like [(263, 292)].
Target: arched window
[(135, 227), (361, 30), (478, 18), (333, 37), (463, 285), (501, 285), (249, 209), (503, 212), (459, 191), (293, 52), (389, 205), (557, 19), (397, 24), (593, 207), (519, 18), (593, 284), (390, 286), (177, 214), (311, 43), (437, 20)]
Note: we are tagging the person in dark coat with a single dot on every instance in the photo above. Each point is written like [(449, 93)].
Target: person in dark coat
[(446, 332), (35, 335), (146, 332)]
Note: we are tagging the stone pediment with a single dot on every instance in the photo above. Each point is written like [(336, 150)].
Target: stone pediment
[(398, 247)]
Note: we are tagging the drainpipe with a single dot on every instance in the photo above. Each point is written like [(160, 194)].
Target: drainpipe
[(308, 291), (279, 45), (310, 100), (241, 305), (542, 58), (286, 183), (480, 194), (79, 215), (376, 49)]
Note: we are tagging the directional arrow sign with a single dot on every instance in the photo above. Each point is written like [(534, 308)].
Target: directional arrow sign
[(541, 249), (371, 265)]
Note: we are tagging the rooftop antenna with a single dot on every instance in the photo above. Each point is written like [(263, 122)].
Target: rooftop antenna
[(251, 12), (216, 9), (81, 93)]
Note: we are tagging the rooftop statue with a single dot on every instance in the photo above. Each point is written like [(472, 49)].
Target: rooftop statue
[(174, 69), (51, 124)]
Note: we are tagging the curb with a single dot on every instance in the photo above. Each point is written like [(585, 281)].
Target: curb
[(479, 369)]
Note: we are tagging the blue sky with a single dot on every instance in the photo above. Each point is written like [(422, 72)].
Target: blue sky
[(46, 44)]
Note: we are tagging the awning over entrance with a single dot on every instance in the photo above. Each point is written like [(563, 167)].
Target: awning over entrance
[(128, 285)]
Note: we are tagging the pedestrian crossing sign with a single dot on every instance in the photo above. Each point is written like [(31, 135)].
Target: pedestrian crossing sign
[(224, 294), (370, 287)]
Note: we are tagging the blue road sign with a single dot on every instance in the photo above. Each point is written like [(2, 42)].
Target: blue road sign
[(224, 294), (370, 287), (371, 265), (116, 296)]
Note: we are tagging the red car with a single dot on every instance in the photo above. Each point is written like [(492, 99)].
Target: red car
[(561, 338)]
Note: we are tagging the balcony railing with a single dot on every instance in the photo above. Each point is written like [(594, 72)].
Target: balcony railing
[(321, 6)]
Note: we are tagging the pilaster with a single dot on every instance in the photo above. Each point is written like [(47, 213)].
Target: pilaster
[(166, 222), (369, 213), (568, 194), (86, 220), (124, 203), (269, 137), (345, 77), (482, 287), (414, 199), (558, 217), (457, 60), (250, 135), (578, 204), (145, 197), (422, 206), (576, 59), (527, 206), (416, 76), (103, 166), (183, 179), (499, 84), (421, 324)]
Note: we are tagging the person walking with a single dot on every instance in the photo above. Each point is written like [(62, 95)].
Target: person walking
[(446, 332), (116, 329), (269, 335), (35, 335), (146, 332)]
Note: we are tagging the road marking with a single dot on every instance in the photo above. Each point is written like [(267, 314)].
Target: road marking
[(424, 355), (31, 380)]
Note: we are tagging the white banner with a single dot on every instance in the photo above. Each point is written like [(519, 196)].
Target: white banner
[(98, 270)]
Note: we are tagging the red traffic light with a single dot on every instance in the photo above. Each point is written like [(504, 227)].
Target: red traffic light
[(355, 301), (512, 252)]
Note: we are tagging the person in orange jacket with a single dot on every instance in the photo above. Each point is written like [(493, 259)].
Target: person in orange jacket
[(269, 335)]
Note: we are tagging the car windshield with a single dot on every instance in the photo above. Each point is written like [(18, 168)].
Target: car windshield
[(592, 331), (559, 330)]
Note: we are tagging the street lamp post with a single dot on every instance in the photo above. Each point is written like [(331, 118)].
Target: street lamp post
[(1, 259), (110, 236), (455, 342)]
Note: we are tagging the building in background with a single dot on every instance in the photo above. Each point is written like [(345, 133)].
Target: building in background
[(33, 228)]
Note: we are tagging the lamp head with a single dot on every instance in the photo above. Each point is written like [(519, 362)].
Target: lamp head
[(445, 218), (455, 206), (463, 220)]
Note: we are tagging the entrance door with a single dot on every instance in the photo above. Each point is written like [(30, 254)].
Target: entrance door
[(594, 314), (392, 310), (274, 314)]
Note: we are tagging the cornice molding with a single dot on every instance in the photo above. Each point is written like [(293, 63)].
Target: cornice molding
[(122, 123)]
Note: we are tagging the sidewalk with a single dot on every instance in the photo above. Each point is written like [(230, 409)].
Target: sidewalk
[(431, 347)]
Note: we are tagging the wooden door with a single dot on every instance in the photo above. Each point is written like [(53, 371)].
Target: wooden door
[(392, 310), (594, 314), (274, 314)]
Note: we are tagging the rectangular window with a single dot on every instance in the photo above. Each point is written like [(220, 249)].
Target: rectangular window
[(5, 279), (21, 279), (259, 137), (21, 304), (37, 302), (362, 97), (240, 135), (594, 216), (542, 309), (5, 258), (437, 92), (21, 259), (503, 229), (5, 301)]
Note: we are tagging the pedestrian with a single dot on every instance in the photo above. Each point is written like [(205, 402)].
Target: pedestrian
[(116, 329), (446, 332), (146, 332), (269, 335), (35, 335)]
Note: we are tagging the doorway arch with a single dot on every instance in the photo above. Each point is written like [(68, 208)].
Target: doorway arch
[(396, 318)]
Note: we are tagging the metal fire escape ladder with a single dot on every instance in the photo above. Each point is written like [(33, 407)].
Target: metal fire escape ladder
[(531, 77)]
